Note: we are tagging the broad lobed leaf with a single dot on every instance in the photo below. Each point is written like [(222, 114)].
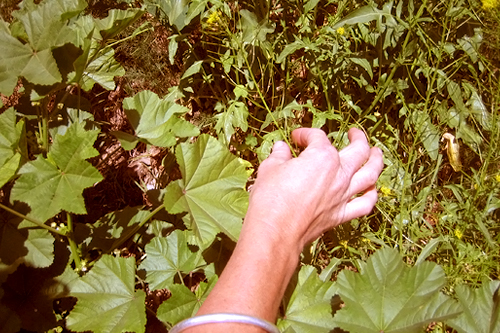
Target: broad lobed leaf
[(107, 300), (56, 183), (167, 258), (212, 190), (309, 309), (155, 120), (388, 296)]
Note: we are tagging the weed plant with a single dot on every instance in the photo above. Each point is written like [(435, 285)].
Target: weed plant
[(207, 87)]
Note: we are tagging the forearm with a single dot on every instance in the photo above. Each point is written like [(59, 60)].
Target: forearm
[(254, 280)]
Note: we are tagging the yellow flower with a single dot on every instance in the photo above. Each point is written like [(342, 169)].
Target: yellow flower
[(489, 4), (458, 233), (214, 17), (341, 30), (386, 191), (497, 177), (344, 243)]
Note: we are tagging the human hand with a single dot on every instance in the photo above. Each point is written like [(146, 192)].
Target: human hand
[(295, 200)]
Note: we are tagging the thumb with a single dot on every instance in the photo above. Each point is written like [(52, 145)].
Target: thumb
[(281, 152)]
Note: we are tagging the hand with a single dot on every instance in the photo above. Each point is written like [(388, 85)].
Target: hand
[(295, 200)]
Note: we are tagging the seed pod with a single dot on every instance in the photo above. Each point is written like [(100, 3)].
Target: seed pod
[(453, 151)]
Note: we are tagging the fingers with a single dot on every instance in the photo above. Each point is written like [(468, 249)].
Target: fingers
[(310, 137), (281, 152), (361, 206), (367, 176), (356, 153)]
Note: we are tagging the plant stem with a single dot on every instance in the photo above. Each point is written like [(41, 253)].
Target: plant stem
[(132, 232), (75, 251), (35, 221)]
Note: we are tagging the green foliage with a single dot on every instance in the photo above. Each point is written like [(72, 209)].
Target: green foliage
[(12, 145), (56, 183), (388, 296), (168, 258), (211, 190), (184, 303), (154, 120), (481, 309), (107, 300), (309, 308)]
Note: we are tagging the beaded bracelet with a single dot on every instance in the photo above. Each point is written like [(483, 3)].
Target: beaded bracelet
[(216, 318)]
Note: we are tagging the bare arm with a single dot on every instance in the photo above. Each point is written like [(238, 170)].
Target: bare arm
[(293, 201)]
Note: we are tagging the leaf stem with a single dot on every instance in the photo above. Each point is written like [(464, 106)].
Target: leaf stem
[(75, 251), (35, 221), (133, 231)]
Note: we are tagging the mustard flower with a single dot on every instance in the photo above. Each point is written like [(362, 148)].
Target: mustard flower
[(341, 30), (385, 191), (458, 233), (490, 4)]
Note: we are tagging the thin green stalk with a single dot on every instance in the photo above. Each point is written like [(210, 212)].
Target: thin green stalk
[(133, 231), (35, 221), (268, 109), (398, 63), (75, 251)]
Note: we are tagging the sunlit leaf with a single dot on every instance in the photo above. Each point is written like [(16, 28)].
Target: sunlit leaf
[(212, 190), (155, 120), (253, 31), (184, 303), (56, 183), (388, 296), (107, 300), (364, 14), (102, 70), (481, 309), (192, 70), (116, 21), (309, 309), (169, 257), (12, 145), (234, 116), (46, 29)]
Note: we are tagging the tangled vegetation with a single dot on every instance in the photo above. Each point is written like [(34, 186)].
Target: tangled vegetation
[(131, 131)]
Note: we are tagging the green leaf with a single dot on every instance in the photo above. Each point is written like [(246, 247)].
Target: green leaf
[(282, 113), (481, 309), (252, 30), (290, 48), (169, 257), (9, 321), (12, 145), (427, 132), (40, 245), (155, 120), (235, 116), (364, 14), (388, 296), (102, 70), (265, 147), (46, 29), (212, 190), (19, 242), (193, 69), (184, 303), (56, 183), (116, 21), (107, 300), (309, 309)]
